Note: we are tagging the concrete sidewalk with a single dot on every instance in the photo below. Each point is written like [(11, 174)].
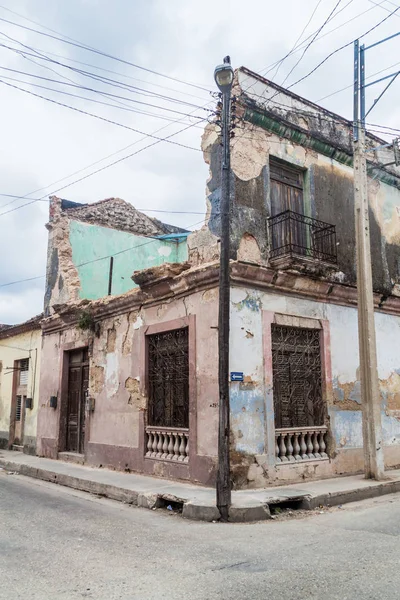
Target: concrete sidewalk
[(197, 502)]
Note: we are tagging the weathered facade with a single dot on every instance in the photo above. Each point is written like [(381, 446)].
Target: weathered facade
[(131, 380), (20, 348)]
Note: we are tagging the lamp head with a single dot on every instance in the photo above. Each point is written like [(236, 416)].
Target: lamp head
[(223, 75)]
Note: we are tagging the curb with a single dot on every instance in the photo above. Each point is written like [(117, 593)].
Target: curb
[(198, 510)]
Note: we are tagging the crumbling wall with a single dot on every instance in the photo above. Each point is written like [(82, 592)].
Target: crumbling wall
[(251, 413), (62, 278)]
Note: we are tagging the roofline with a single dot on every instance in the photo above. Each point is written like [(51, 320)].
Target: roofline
[(313, 105), (20, 328)]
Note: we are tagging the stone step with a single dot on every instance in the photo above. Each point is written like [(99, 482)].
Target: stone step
[(72, 457), (17, 448)]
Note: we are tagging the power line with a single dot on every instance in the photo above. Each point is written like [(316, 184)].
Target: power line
[(86, 99), (100, 169), (297, 41), (101, 53), (312, 40), (266, 70), (84, 112), (347, 87), (97, 259), (342, 48), (106, 80)]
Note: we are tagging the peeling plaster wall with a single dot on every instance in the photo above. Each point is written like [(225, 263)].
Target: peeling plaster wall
[(249, 399), (86, 233), (308, 137), (89, 242), (115, 428)]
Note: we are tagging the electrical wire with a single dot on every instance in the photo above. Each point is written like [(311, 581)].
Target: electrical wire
[(296, 42), (342, 48), (347, 87), (101, 53), (264, 71), (99, 78), (84, 112), (99, 170), (313, 40), (100, 258), (86, 99)]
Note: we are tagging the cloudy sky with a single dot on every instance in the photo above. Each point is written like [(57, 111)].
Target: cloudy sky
[(46, 146)]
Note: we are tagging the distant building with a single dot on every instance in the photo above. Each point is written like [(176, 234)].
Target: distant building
[(20, 347)]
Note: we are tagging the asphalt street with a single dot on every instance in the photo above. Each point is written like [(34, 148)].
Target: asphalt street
[(56, 543)]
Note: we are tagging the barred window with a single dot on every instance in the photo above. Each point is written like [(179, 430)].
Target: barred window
[(168, 378), (297, 377)]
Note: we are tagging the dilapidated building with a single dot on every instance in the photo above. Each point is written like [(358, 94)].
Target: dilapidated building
[(131, 378)]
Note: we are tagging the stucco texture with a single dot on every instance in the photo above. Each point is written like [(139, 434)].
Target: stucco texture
[(249, 400)]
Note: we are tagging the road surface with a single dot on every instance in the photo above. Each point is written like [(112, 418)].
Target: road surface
[(57, 543)]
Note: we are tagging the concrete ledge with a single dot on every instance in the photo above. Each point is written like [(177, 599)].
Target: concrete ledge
[(198, 503), (344, 497), (200, 512), (84, 485), (247, 514)]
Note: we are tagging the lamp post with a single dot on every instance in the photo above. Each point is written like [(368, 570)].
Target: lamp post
[(223, 76)]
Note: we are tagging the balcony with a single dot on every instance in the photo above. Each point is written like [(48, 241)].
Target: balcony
[(300, 241)]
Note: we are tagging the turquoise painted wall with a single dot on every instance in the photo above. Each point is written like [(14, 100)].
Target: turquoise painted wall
[(90, 242)]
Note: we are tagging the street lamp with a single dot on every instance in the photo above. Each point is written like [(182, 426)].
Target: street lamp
[(223, 76)]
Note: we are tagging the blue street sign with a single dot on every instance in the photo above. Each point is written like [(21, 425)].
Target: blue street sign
[(235, 376)]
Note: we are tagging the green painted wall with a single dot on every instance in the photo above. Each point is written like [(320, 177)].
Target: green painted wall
[(90, 242)]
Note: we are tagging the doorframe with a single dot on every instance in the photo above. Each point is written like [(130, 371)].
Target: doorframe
[(11, 434), (63, 424)]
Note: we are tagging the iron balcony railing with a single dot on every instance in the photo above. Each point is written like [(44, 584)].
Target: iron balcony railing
[(293, 234)]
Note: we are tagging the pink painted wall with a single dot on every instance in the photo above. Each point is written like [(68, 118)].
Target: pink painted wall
[(115, 429)]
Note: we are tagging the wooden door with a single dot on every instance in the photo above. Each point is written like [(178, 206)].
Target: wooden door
[(286, 192), (78, 381)]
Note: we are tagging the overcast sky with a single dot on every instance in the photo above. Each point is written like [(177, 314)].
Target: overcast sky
[(43, 142)]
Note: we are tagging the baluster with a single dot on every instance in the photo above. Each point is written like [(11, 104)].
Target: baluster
[(289, 447), (149, 443), (316, 445), (176, 447), (303, 446), (155, 441), (322, 445), (182, 448), (296, 447), (277, 458), (309, 446), (170, 447), (187, 447), (159, 445), (282, 449), (165, 446)]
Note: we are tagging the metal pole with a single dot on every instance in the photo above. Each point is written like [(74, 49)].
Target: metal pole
[(223, 475), (356, 94), (110, 275)]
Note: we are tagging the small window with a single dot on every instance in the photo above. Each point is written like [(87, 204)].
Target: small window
[(18, 408), (297, 377), (168, 378), (23, 371)]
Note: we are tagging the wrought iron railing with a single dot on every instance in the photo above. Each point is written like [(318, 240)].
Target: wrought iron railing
[(293, 234)]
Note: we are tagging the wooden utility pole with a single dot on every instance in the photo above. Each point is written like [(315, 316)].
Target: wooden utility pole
[(370, 393), (224, 77)]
